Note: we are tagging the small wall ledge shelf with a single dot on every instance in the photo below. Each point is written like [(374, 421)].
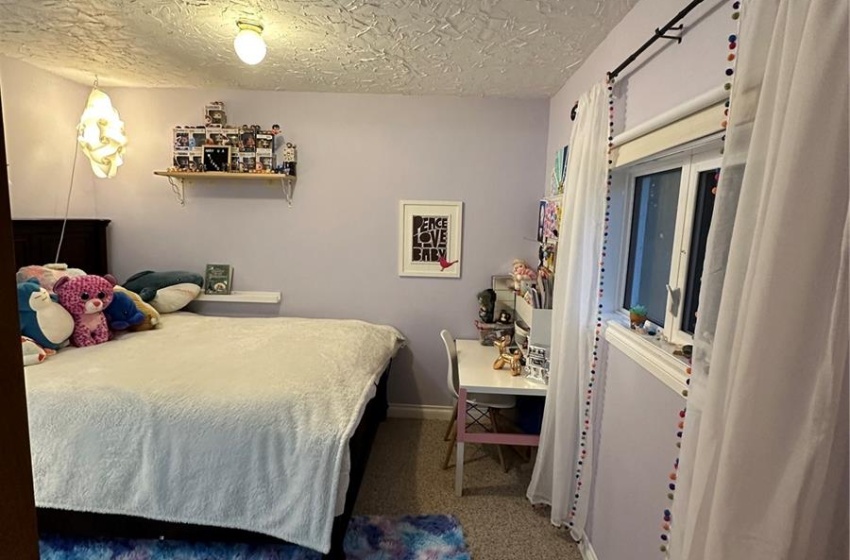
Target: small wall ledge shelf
[(241, 297), (177, 180)]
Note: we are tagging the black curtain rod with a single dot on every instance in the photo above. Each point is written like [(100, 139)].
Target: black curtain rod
[(660, 33)]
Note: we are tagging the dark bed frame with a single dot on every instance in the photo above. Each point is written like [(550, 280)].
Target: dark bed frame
[(85, 247)]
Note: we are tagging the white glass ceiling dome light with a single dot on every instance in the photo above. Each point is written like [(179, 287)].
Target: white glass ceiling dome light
[(249, 44)]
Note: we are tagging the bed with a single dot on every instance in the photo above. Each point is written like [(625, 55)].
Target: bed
[(210, 428)]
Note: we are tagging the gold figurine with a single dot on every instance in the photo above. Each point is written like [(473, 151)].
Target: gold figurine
[(507, 358)]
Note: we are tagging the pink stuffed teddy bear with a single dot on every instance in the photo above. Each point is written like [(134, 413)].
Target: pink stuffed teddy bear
[(85, 298)]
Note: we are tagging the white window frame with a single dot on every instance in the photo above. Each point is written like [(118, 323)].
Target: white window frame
[(692, 163)]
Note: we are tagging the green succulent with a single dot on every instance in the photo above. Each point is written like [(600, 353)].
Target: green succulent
[(638, 310)]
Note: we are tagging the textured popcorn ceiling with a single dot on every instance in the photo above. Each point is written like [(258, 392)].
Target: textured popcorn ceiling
[(516, 48)]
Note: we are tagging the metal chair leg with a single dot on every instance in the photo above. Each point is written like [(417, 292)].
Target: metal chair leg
[(492, 414), (451, 424)]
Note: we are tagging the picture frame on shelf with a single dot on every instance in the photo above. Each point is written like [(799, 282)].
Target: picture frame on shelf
[(218, 279), (430, 238), (217, 158)]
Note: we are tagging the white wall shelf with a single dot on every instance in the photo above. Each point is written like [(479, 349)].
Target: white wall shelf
[(178, 179), (241, 297)]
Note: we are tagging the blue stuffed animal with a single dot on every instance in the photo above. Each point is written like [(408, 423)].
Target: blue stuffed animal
[(122, 313), (147, 282), (41, 317)]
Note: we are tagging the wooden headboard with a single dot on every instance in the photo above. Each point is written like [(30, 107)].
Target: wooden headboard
[(84, 246)]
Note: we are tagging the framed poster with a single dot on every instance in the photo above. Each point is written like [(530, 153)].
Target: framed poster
[(430, 238)]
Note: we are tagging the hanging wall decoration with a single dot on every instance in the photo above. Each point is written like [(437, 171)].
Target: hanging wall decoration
[(430, 238), (559, 172)]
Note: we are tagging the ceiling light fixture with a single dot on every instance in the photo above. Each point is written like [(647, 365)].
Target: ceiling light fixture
[(101, 134), (249, 44)]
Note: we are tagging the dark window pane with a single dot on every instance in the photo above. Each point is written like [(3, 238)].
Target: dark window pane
[(651, 242), (702, 221)]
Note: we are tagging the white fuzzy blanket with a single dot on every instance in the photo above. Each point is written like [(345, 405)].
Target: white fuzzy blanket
[(228, 422)]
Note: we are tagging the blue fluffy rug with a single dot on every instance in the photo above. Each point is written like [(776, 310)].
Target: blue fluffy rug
[(424, 537)]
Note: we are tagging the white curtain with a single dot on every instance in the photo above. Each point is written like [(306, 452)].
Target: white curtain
[(574, 319), (764, 463)]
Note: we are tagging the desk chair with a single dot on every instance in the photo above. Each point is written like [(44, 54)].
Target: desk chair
[(477, 405)]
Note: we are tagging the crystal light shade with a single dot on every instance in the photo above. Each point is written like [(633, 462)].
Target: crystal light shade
[(101, 135), (248, 44)]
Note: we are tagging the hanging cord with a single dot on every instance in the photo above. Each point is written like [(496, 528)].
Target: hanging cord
[(68, 201), (71, 185)]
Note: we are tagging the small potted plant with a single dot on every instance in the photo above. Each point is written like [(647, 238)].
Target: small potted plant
[(637, 315)]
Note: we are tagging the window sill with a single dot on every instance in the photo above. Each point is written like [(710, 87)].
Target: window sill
[(655, 356)]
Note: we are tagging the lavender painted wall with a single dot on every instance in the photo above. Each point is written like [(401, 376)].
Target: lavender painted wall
[(635, 454), (40, 113), (334, 253), (665, 76)]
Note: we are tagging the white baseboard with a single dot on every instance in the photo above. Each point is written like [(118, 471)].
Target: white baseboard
[(586, 548), (420, 411)]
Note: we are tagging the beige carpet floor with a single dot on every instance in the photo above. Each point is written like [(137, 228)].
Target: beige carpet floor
[(404, 476)]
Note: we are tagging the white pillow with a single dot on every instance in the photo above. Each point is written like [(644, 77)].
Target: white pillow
[(174, 298)]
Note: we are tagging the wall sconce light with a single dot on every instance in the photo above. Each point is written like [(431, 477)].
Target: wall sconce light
[(101, 134), (249, 44)]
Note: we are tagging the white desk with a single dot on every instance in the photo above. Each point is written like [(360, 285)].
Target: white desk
[(476, 375)]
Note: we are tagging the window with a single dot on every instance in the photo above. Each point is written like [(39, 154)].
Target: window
[(666, 219), (706, 185), (656, 200)]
